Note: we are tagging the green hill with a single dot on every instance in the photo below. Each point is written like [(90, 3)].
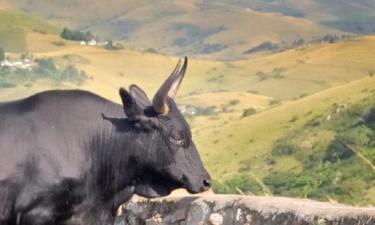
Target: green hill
[(319, 147), (15, 25)]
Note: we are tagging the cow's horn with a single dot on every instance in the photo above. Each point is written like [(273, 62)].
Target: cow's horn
[(169, 88)]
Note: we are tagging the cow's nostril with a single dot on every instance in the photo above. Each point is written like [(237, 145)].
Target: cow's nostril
[(207, 183)]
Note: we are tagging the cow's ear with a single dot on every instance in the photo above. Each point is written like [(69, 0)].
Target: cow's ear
[(131, 108), (140, 96)]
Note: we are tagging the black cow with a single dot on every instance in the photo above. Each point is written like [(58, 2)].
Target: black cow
[(72, 157)]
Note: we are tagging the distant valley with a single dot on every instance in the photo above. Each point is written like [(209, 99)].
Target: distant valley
[(208, 29)]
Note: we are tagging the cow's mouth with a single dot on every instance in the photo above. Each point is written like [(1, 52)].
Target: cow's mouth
[(153, 186)]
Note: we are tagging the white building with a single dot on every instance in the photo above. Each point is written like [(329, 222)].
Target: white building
[(91, 42)]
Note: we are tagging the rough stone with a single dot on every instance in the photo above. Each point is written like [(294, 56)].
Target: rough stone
[(241, 210), (197, 213), (216, 219)]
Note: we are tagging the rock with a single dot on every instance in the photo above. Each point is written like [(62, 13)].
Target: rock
[(241, 210), (197, 214), (216, 219)]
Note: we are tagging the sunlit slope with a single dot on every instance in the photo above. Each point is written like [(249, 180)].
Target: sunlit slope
[(282, 76), (15, 25), (308, 69), (229, 142)]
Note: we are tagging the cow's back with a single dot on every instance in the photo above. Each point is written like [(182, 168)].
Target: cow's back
[(46, 135)]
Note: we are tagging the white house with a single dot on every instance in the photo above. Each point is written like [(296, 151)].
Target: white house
[(91, 42)]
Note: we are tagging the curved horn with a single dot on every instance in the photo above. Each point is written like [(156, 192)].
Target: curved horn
[(169, 88)]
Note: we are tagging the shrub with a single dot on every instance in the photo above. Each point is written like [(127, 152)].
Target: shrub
[(293, 119), (151, 50), (261, 75), (314, 122), (58, 43), (284, 147), (337, 150), (275, 102), (279, 182), (45, 66), (369, 118), (248, 112), (297, 43), (303, 95), (220, 188), (244, 183), (233, 102), (2, 54)]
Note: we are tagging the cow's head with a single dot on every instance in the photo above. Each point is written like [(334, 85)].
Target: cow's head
[(168, 159)]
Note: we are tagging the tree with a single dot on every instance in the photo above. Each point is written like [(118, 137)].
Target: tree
[(76, 35), (2, 54)]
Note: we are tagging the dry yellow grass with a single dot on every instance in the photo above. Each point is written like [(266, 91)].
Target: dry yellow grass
[(302, 71), (240, 100)]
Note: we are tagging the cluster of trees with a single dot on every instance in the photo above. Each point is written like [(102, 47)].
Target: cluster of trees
[(44, 69), (268, 46), (262, 47), (333, 38), (76, 35)]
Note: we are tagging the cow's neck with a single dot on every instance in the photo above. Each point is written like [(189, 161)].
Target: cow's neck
[(115, 163)]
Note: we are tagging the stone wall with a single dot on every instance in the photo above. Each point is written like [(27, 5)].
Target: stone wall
[(241, 210)]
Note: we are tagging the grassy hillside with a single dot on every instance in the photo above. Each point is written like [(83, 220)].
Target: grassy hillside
[(245, 145), (199, 28), (15, 25)]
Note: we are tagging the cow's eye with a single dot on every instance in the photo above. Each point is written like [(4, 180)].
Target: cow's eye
[(177, 140)]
